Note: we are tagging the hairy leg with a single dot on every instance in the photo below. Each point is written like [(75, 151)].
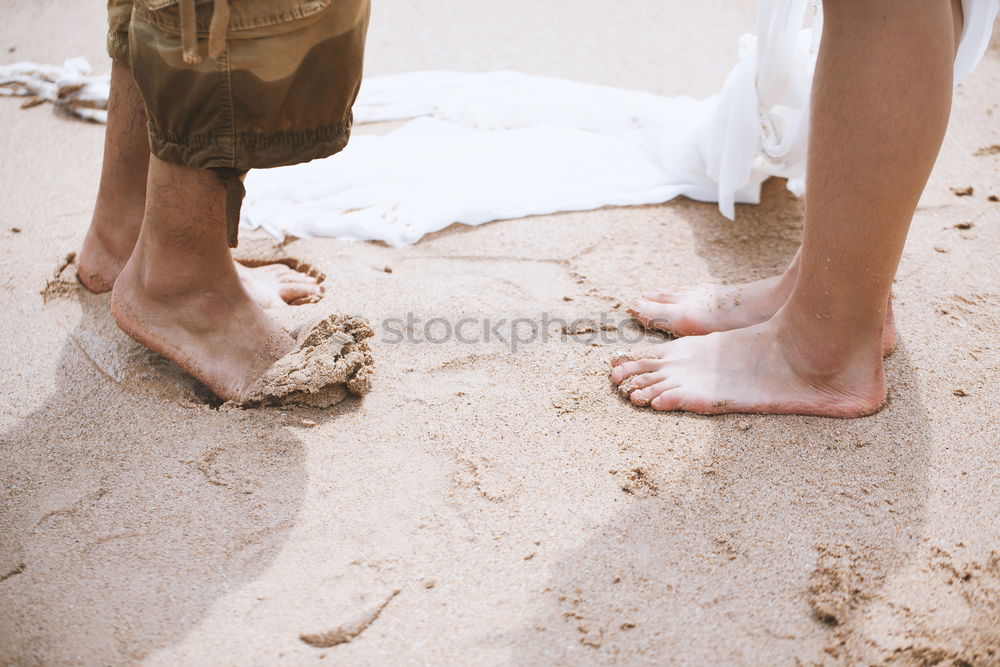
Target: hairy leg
[(121, 196), (121, 200), (180, 294), (881, 100)]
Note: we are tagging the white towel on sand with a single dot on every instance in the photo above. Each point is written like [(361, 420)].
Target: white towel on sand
[(72, 87)]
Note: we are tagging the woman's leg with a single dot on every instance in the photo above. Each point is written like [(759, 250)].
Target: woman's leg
[(702, 309), (706, 308), (881, 100)]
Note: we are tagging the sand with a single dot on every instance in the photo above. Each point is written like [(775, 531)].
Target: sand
[(525, 513)]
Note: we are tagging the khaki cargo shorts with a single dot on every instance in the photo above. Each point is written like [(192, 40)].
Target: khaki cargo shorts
[(243, 84)]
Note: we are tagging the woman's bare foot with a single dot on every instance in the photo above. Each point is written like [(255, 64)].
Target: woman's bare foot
[(764, 368), (820, 353), (221, 337), (104, 254), (707, 308)]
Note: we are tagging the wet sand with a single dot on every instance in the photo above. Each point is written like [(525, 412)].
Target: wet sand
[(485, 506)]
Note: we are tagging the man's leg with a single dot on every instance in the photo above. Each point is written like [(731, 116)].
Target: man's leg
[(121, 199), (881, 100), (180, 294)]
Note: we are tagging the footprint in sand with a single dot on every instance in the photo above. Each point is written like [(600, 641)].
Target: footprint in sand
[(63, 282)]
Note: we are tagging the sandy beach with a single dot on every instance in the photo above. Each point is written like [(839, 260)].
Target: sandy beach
[(484, 505)]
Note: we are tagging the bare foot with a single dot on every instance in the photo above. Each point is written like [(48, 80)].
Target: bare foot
[(764, 368), (107, 247), (103, 255), (703, 309), (222, 338), (276, 285)]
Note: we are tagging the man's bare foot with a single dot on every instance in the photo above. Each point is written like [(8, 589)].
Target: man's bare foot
[(105, 251), (703, 309), (121, 204), (276, 285), (222, 338), (763, 368), (103, 255)]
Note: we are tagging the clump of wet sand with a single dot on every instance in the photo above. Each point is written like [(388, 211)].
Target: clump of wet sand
[(331, 359)]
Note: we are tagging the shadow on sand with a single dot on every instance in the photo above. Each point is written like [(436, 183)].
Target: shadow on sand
[(129, 505), (763, 542)]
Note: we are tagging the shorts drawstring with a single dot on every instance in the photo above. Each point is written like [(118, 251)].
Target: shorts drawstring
[(218, 31)]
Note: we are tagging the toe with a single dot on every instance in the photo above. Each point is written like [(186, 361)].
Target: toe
[(643, 396), (292, 291), (670, 295), (626, 370), (648, 379), (652, 314), (302, 279), (670, 399), (276, 270), (286, 272), (279, 271)]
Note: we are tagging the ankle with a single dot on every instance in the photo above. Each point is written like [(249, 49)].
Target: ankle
[(828, 352), (165, 280)]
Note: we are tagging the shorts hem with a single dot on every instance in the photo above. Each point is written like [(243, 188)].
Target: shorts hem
[(251, 150)]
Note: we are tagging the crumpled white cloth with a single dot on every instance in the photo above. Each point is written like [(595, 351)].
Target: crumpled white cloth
[(73, 87), (506, 145), (499, 145)]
